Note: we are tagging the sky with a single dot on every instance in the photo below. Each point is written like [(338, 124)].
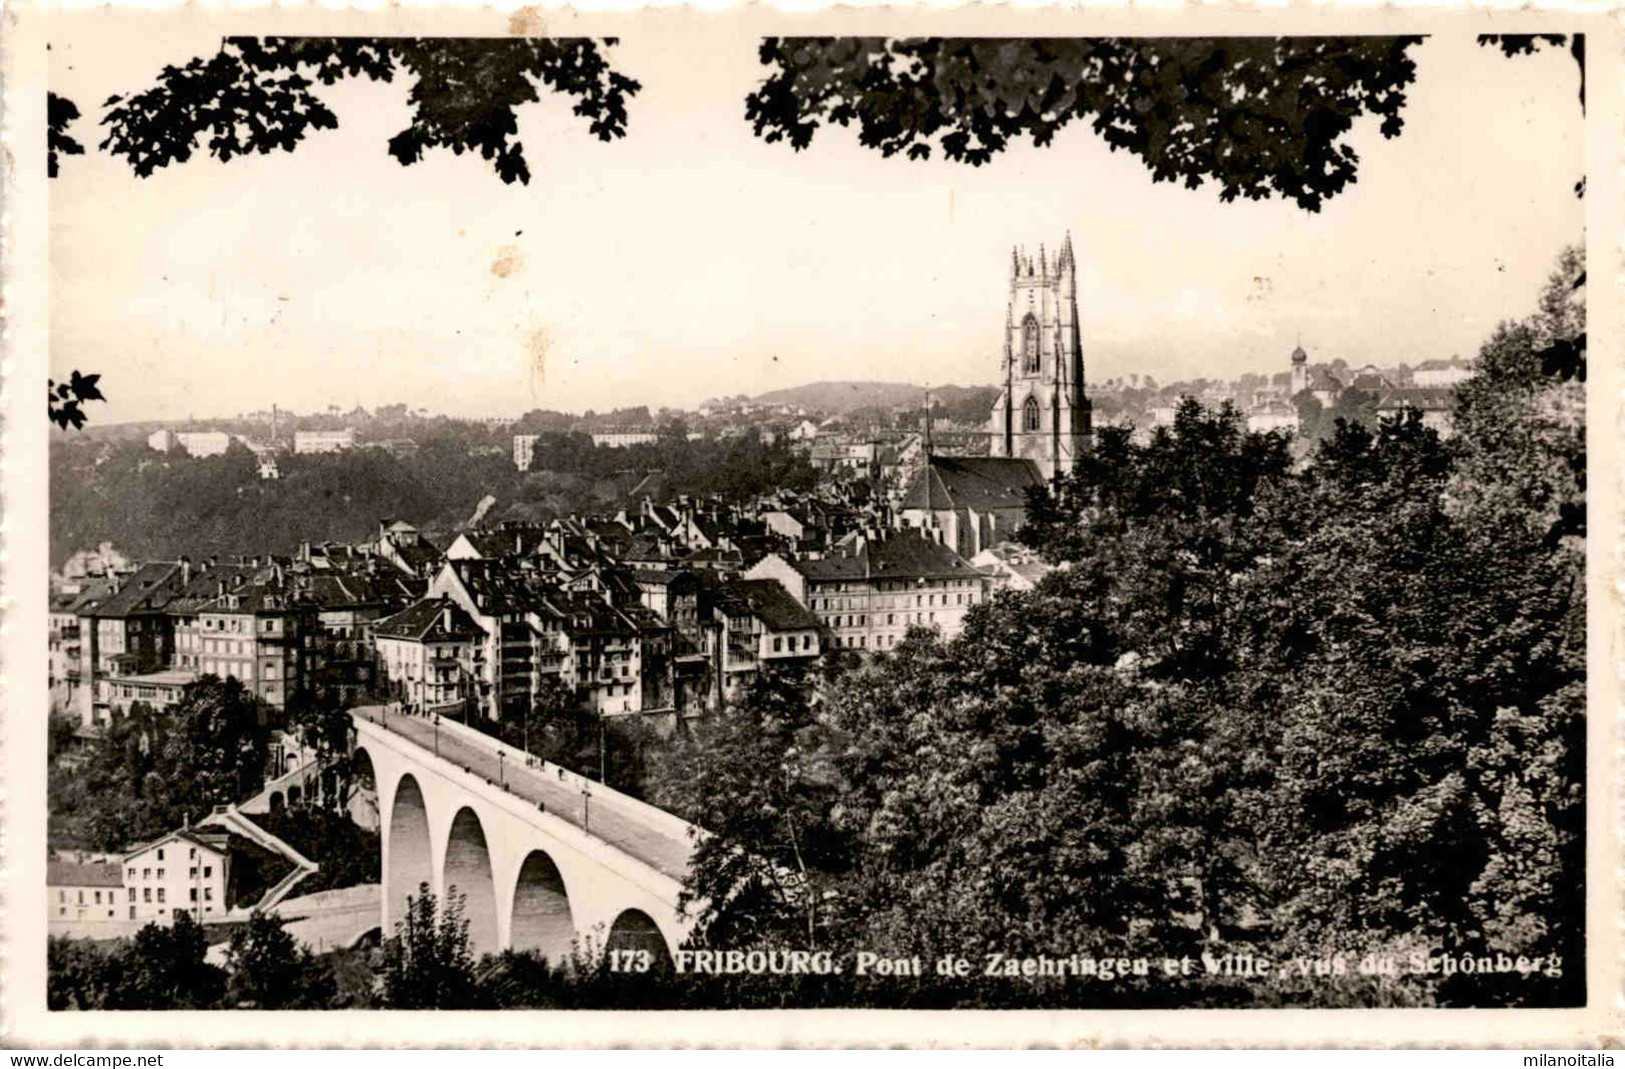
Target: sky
[(691, 259)]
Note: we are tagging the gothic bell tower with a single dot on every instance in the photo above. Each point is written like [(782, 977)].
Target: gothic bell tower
[(1042, 414)]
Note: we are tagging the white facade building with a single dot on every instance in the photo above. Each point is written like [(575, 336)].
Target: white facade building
[(323, 441), (180, 872)]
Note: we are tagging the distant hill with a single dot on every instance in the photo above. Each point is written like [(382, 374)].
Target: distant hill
[(843, 397)]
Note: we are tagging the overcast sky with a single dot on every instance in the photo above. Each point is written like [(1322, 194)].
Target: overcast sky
[(691, 259)]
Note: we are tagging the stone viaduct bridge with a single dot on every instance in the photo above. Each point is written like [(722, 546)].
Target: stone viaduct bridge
[(541, 855)]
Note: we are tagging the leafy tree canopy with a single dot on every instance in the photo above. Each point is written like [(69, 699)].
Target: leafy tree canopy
[(1262, 116), (259, 95)]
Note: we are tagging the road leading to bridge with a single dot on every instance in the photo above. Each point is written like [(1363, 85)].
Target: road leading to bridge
[(657, 847)]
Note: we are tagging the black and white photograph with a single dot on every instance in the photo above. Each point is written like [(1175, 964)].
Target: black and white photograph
[(675, 511)]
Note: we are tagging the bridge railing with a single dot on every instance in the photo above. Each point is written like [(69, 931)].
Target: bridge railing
[(643, 812)]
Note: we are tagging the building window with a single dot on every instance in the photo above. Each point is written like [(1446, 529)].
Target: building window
[(778, 645), (160, 874), (146, 894), (1029, 415), (1029, 344), (194, 894), (62, 896), (98, 898), (132, 872), (208, 870), (193, 872), (132, 894), (208, 894), (160, 856), (160, 894)]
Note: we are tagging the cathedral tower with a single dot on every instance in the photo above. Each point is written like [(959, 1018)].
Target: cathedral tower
[(1042, 414)]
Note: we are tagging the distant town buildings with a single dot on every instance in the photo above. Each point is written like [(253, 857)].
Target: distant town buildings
[(625, 436), (323, 441), (524, 448), (193, 443), (1442, 373)]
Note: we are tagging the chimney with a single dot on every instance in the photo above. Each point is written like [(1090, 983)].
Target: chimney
[(445, 618), (186, 570), (304, 551), (219, 588)]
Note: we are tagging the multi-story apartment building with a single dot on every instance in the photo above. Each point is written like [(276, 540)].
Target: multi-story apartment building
[(125, 633), (868, 596), (755, 627), (426, 654), (252, 626)]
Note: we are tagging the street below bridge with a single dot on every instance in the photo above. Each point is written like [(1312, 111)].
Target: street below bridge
[(572, 799)]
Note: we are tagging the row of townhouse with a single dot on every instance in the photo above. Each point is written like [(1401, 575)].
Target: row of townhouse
[(277, 625), (494, 631)]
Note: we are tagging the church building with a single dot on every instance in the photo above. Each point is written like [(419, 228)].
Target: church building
[(1040, 424), (1042, 414)]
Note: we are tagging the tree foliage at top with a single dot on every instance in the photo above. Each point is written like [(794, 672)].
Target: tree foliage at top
[(66, 399), (60, 112), (1262, 116), (259, 95)]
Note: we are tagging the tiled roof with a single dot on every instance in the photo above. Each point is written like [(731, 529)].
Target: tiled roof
[(1423, 398), (774, 605), (979, 483), (426, 622), (903, 555), (148, 589), (418, 555), (74, 874)]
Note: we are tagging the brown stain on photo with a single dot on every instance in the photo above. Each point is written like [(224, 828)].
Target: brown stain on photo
[(527, 22), (507, 262), (536, 344)]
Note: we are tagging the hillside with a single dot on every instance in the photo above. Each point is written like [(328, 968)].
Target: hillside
[(843, 397)]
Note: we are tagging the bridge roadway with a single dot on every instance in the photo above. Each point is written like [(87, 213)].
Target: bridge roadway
[(601, 816)]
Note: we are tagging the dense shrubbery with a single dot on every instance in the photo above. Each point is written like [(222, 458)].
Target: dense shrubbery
[(346, 853), (151, 771), (1292, 712), (153, 506), (162, 967)]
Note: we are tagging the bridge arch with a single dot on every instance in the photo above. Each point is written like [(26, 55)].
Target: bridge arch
[(365, 804), (409, 861), (636, 930), (468, 871), (542, 919)]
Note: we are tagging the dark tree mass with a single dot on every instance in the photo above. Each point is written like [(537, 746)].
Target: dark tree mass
[(1262, 116), (259, 95)]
